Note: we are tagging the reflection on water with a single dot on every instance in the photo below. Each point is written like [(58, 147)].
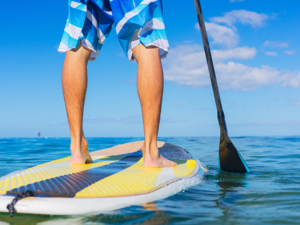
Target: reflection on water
[(133, 215), (229, 185), (268, 195)]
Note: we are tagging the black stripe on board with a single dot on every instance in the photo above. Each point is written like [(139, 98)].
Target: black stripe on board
[(69, 185)]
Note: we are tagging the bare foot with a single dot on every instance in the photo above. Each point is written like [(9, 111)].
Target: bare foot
[(158, 162), (82, 155), (155, 160)]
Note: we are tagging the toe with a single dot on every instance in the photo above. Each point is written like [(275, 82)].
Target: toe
[(170, 163), (173, 164)]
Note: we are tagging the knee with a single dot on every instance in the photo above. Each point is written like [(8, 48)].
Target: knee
[(78, 55), (142, 53)]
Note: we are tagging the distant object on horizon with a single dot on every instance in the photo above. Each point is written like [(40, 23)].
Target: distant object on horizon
[(39, 134)]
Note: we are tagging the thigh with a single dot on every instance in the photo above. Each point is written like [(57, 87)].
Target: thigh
[(89, 23), (139, 22)]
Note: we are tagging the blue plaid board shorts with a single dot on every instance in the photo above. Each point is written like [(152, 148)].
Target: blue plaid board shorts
[(137, 22)]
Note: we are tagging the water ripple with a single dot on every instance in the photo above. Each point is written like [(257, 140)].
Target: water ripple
[(269, 195)]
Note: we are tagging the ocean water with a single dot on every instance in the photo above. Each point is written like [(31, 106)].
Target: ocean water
[(270, 194)]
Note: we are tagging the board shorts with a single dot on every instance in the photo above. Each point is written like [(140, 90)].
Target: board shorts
[(137, 22)]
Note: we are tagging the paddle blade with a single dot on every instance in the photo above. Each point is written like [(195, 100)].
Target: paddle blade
[(230, 159)]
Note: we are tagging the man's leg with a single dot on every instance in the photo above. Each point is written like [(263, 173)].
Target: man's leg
[(74, 82), (150, 84)]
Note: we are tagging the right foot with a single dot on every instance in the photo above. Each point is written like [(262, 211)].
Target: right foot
[(153, 159), (82, 155), (158, 162)]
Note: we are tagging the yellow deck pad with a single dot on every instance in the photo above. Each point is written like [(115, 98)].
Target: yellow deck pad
[(136, 180), (50, 170), (108, 176)]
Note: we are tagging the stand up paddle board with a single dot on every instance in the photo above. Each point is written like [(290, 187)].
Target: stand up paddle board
[(115, 180)]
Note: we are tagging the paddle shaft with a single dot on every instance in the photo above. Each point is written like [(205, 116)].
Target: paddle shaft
[(221, 116)]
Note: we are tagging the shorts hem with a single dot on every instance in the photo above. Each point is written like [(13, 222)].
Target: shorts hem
[(149, 35), (163, 52), (64, 48)]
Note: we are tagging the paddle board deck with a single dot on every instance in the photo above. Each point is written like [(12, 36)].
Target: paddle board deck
[(115, 180)]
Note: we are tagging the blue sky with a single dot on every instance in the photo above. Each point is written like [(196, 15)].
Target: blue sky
[(255, 50)]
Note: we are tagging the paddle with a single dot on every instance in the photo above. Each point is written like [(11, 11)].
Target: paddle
[(230, 159)]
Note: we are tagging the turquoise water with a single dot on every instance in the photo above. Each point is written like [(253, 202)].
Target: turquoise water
[(269, 195)]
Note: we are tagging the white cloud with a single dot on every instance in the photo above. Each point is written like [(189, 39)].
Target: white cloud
[(236, 53), (236, 0), (240, 77), (276, 44), (222, 35), (270, 123), (226, 35), (296, 103), (271, 53), (186, 65), (242, 16), (291, 80), (289, 52)]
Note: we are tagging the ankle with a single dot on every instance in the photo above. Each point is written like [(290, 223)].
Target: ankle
[(150, 144), (150, 151), (79, 146), (84, 143), (74, 148)]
